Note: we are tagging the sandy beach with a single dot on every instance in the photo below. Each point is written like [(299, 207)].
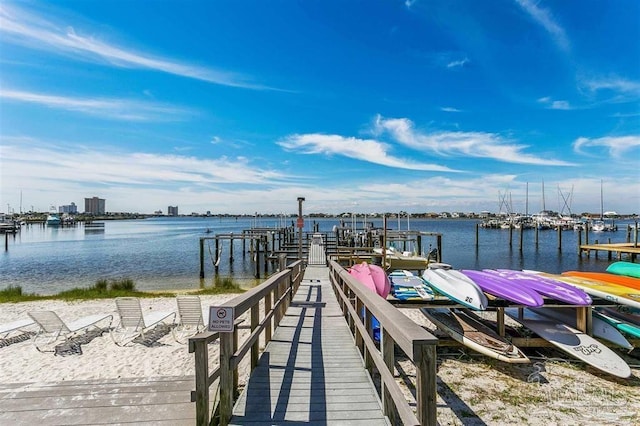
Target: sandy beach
[(473, 390)]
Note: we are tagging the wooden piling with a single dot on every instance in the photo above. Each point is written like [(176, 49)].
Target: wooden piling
[(559, 238), (201, 258)]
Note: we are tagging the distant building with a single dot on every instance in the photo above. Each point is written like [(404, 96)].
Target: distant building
[(172, 211), (70, 209), (94, 206)]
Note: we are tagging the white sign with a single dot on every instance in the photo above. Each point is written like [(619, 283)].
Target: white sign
[(220, 319)]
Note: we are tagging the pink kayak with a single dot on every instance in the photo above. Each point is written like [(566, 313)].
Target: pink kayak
[(373, 277)]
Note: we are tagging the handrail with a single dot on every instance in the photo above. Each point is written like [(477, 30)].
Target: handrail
[(278, 289), (359, 305)]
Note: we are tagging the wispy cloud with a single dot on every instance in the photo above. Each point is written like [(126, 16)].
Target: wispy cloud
[(545, 18), (623, 88), (120, 109), (458, 63), (450, 109), (471, 144), (50, 164), (555, 104), (617, 146), (368, 150), (36, 32)]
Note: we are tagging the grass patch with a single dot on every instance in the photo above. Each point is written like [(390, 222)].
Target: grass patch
[(222, 285), (102, 289)]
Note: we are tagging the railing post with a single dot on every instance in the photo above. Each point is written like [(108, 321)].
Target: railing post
[(201, 353), (268, 305), (255, 348), (226, 378), (388, 348), (426, 390)]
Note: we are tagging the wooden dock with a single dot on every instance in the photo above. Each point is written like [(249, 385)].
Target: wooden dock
[(311, 372), (141, 401), (632, 250)]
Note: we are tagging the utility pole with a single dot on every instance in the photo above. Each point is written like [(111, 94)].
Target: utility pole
[(300, 226)]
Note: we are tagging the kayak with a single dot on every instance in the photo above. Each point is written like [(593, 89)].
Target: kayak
[(505, 289), (547, 287), (628, 269), (466, 293)]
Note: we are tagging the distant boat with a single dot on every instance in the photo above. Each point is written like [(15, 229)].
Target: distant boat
[(53, 219), (395, 259)]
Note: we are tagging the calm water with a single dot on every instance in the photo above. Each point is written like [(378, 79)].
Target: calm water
[(163, 253)]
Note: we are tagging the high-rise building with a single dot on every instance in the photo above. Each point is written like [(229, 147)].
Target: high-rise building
[(172, 211), (70, 209), (94, 206)]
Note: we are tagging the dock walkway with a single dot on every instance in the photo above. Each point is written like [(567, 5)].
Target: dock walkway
[(311, 372)]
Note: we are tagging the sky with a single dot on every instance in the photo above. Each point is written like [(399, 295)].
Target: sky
[(358, 106)]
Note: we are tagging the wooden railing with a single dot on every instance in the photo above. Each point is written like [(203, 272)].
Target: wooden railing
[(274, 295), (359, 305)]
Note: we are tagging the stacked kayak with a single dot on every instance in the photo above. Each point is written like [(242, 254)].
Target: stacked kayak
[(407, 286), (373, 277), (628, 269), (463, 291), (547, 287), (511, 290)]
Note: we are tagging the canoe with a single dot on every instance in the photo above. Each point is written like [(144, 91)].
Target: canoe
[(407, 286), (547, 287), (622, 280), (468, 329), (628, 269), (372, 275), (504, 288), (611, 292), (630, 329), (466, 293), (573, 342), (601, 329)]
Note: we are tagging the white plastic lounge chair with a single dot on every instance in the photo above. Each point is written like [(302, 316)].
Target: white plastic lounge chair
[(191, 320), (7, 329), (53, 328), (133, 322)]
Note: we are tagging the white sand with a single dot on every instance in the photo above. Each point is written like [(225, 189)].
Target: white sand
[(100, 358), (473, 390)]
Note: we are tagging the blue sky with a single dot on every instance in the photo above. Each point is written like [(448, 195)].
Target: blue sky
[(358, 106)]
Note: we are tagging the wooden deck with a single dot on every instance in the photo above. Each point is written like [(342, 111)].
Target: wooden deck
[(311, 372), (629, 249), (156, 401)]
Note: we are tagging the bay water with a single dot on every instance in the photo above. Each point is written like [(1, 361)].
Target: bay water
[(163, 253)]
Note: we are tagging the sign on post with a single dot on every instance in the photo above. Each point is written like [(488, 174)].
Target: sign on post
[(300, 222), (220, 319)]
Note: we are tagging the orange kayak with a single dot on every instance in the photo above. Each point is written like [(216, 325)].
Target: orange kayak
[(607, 277)]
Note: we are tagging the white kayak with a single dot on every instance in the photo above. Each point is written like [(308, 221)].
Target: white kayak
[(465, 292)]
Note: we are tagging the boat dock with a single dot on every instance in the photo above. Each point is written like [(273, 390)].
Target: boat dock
[(631, 250)]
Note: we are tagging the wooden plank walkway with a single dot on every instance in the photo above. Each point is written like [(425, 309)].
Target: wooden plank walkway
[(311, 372), (142, 401)]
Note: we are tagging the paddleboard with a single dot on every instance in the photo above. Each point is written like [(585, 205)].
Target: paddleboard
[(630, 329), (614, 293), (573, 342), (546, 286), (503, 288), (407, 286), (629, 269), (623, 315), (467, 328), (622, 280), (601, 329), (466, 293)]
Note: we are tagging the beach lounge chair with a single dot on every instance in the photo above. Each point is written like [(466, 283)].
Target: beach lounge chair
[(133, 322), (191, 320), (52, 327), (7, 329)]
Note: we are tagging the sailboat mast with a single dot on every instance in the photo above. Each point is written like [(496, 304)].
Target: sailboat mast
[(601, 202)]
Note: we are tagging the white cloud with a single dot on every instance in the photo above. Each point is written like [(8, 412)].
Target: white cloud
[(31, 30), (617, 146), (553, 104), (450, 109), (471, 144), (458, 64), (368, 150), (544, 18), (614, 84), (121, 109), (26, 163)]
